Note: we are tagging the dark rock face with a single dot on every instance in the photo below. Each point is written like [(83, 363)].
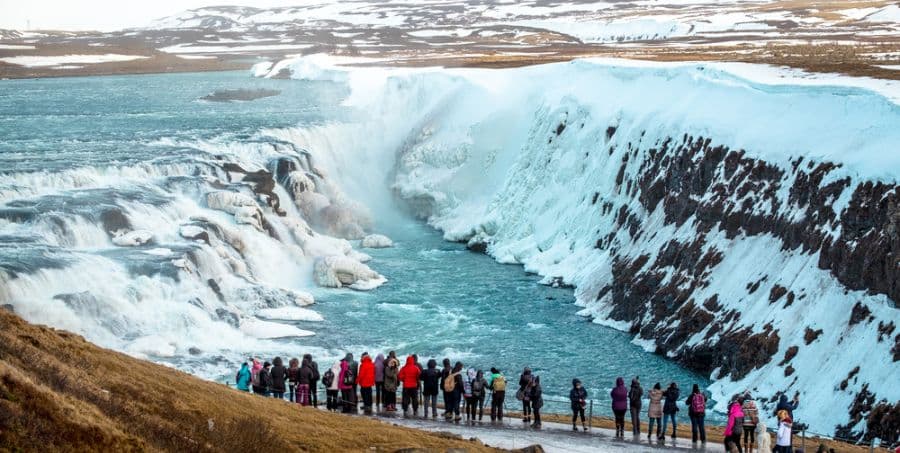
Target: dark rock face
[(720, 191)]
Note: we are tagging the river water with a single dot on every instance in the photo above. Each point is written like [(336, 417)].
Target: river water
[(70, 147)]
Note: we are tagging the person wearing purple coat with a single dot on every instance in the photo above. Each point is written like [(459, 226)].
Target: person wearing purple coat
[(619, 405), (379, 378)]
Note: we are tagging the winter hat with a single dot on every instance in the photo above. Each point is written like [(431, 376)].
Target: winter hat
[(575, 382)]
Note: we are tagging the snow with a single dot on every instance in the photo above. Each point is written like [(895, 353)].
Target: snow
[(188, 48), (132, 238), (889, 13), (481, 147), (15, 47), (338, 271), (376, 241), (267, 329), (35, 61), (197, 57), (290, 314)]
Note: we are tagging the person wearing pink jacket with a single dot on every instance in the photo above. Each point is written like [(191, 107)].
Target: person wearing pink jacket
[(734, 429)]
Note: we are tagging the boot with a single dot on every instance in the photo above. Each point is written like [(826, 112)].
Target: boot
[(574, 427), (583, 426)]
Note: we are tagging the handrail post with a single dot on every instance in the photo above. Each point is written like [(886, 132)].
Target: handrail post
[(591, 415)]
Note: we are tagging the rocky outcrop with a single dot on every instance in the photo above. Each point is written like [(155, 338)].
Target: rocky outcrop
[(340, 271)]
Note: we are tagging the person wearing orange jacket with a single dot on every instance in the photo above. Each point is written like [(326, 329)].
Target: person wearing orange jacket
[(366, 381), (409, 377)]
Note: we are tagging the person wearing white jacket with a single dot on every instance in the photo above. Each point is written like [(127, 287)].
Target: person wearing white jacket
[(783, 439)]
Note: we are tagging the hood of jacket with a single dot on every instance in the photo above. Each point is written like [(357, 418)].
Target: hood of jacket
[(410, 361), (620, 382)]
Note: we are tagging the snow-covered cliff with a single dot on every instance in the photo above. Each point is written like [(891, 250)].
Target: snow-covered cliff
[(738, 219)]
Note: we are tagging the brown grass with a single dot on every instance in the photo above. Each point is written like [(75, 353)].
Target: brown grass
[(60, 393)]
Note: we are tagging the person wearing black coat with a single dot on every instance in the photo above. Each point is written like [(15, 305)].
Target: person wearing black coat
[(279, 375), (448, 397), (430, 380), (670, 408), (578, 397), (313, 384), (635, 395), (526, 380), (785, 405), (537, 401), (265, 381)]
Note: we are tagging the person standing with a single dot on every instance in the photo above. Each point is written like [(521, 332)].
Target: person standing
[(696, 403), (468, 397), (537, 401), (354, 372), (409, 377), (479, 389), (346, 380), (578, 397), (751, 419), (453, 384), (526, 380), (445, 373), (330, 381), (279, 378), (783, 442), (498, 394), (789, 406), (314, 383), (619, 395), (635, 394), (655, 411), (242, 378), (733, 428), (264, 384), (366, 382), (379, 379), (304, 383), (430, 381), (391, 383), (293, 374), (670, 408)]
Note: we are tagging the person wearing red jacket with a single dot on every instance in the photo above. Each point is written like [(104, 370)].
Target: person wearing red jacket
[(409, 377), (366, 381)]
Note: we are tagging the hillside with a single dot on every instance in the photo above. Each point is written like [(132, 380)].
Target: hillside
[(60, 392), (858, 38)]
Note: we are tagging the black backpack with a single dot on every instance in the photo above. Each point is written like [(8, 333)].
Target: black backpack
[(315, 368), (328, 379), (349, 378)]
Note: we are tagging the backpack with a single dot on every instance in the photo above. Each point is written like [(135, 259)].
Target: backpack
[(499, 384), (349, 377), (698, 403), (328, 379), (450, 382), (254, 378), (478, 387)]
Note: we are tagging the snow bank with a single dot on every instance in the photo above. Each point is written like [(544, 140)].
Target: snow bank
[(36, 61)]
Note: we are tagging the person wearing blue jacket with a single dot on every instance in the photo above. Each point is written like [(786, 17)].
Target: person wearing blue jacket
[(242, 379)]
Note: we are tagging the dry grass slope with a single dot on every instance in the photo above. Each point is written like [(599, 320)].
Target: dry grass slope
[(59, 392)]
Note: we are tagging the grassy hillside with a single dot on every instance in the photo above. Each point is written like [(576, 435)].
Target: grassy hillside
[(60, 392)]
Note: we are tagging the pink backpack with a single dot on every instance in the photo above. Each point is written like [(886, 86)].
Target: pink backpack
[(698, 403)]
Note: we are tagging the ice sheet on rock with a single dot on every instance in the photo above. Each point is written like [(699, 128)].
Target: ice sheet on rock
[(267, 329), (376, 241), (290, 314)]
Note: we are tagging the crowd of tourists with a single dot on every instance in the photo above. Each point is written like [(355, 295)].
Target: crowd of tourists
[(376, 381)]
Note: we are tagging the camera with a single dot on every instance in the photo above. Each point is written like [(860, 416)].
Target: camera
[(801, 426)]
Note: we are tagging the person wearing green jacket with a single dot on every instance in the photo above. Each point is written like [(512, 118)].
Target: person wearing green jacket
[(242, 379)]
